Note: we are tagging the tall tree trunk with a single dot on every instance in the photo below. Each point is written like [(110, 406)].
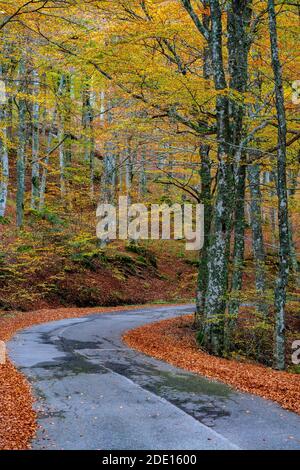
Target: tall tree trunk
[(143, 176), (205, 197), (218, 256), (68, 91), (50, 138), (21, 146), (273, 213), (9, 114), (238, 19), (293, 254), (45, 171), (62, 164), (239, 246), (129, 170), (35, 173), (109, 176), (4, 168), (283, 217), (89, 141), (257, 236), (63, 153), (227, 134)]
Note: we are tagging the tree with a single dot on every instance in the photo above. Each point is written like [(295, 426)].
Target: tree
[(22, 130), (283, 217)]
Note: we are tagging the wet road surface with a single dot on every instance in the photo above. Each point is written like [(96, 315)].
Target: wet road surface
[(93, 392)]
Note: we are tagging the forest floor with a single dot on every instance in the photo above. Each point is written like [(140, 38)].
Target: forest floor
[(32, 279)]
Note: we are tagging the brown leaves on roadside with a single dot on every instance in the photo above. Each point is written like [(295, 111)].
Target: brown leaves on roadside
[(174, 341), (18, 420)]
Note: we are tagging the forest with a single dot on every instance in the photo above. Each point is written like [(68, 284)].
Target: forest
[(165, 101)]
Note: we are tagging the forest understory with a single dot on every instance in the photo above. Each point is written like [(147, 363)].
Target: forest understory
[(81, 274)]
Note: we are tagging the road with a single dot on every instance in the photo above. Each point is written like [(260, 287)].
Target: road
[(93, 392)]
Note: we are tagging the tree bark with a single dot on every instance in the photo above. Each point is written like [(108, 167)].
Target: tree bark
[(257, 236), (205, 197), (35, 168), (283, 217), (4, 180), (229, 132), (238, 19), (21, 147), (218, 256), (143, 176), (239, 248), (89, 141)]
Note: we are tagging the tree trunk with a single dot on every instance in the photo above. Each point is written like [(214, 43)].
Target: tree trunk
[(4, 168), (257, 237), (89, 141), (143, 176), (218, 256), (45, 167), (35, 174), (293, 253), (283, 217), (109, 176), (239, 246), (63, 154), (129, 171), (238, 19), (205, 197), (62, 164), (21, 148), (4, 175), (228, 136)]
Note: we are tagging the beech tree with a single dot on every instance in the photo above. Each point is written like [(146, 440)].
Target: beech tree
[(283, 218)]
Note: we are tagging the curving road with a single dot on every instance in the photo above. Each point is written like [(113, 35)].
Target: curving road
[(95, 393)]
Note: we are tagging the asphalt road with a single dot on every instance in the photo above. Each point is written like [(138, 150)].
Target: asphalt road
[(95, 393)]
